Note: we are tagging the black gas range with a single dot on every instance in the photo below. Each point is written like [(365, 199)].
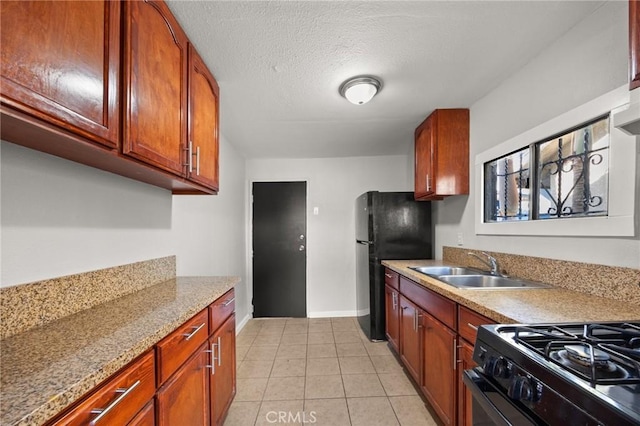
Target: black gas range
[(561, 374)]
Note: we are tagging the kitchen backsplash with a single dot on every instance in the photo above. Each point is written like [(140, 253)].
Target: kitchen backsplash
[(26, 306), (607, 281)]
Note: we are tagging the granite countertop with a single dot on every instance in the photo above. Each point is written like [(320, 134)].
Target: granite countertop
[(45, 369), (524, 306)]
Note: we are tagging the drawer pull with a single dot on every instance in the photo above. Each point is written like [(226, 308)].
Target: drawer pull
[(472, 326), (388, 275), (103, 412), (228, 302), (193, 333)]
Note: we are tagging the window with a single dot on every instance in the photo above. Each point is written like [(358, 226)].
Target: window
[(574, 175), (568, 177)]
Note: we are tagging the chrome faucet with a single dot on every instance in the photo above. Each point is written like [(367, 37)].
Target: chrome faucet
[(491, 262)]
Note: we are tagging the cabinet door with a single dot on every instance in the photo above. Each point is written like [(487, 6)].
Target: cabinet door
[(155, 72), (392, 316), (465, 362), (424, 159), (146, 416), (634, 44), (439, 368), (184, 399), (203, 122), (60, 63), (223, 373), (410, 337)]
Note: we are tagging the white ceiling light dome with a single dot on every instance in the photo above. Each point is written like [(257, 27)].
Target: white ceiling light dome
[(360, 90)]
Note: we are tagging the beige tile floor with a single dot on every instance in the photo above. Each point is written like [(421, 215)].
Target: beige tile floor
[(320, 371)]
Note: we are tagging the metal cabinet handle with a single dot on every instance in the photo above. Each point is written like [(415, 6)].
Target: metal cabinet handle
[(228, 302), (212, 366), (195, 330), (472, 326), (455, 352), (301, 248), (215, 358), (388, 275), (219, 352), (101, 412), (190, 155), (428, 182), (198, 161)]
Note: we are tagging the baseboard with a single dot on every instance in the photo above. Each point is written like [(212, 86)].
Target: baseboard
[(329, 314), (240, 325)]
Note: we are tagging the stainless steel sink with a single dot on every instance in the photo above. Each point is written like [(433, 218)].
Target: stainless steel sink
[(436, 271), (489, 282)]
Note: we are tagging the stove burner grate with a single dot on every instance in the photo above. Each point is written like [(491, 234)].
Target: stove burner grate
[(599, 354)]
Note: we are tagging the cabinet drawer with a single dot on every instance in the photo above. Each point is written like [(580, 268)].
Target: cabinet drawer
[(391, 278), (440, 307), (177, 347), (221, 309), (468, 322), (120, 398)]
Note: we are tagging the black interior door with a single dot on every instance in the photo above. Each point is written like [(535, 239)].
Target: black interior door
[(279, 249)]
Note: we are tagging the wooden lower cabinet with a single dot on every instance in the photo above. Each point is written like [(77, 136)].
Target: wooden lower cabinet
[(392, 316), (223, 373), (118, 400), (184, 399), (192, 385), (439, 367), (410, 337), (465, 362), (146, 416), (435, 345)]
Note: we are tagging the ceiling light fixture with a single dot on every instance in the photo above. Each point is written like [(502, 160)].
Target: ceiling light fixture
[(360, 90)]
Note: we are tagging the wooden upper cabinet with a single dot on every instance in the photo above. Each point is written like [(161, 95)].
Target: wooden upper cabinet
[(203, 122), (442, 155), (424, 152), (61, 62), (155, 73), (634, 44)]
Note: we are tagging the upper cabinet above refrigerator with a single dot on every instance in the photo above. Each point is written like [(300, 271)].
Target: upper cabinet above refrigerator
[(442, 155)]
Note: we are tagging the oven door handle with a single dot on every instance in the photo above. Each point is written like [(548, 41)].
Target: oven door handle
[(477, 385)]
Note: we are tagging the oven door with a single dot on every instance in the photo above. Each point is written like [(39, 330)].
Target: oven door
[(491, 406)]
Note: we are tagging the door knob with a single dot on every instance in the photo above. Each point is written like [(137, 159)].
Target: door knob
[(301, 248)]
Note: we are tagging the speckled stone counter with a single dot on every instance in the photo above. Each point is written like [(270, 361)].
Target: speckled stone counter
[(45, 369), (549, 305)]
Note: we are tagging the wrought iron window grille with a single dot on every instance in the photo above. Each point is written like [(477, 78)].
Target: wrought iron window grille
[(563, 176)]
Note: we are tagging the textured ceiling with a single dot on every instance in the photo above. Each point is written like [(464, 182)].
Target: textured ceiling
[(279, 65)]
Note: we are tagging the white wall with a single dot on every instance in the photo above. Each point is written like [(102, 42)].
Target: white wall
[(588, 61), (209, 232), (332, 185), (60, 218)]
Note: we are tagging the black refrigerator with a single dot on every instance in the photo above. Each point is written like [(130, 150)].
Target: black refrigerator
[(389, 225)]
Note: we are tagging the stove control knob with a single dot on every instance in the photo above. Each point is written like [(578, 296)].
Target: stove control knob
[(524, 388), (498, 367)]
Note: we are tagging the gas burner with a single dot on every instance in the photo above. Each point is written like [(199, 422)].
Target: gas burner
[(581, 354), (578, 358)]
